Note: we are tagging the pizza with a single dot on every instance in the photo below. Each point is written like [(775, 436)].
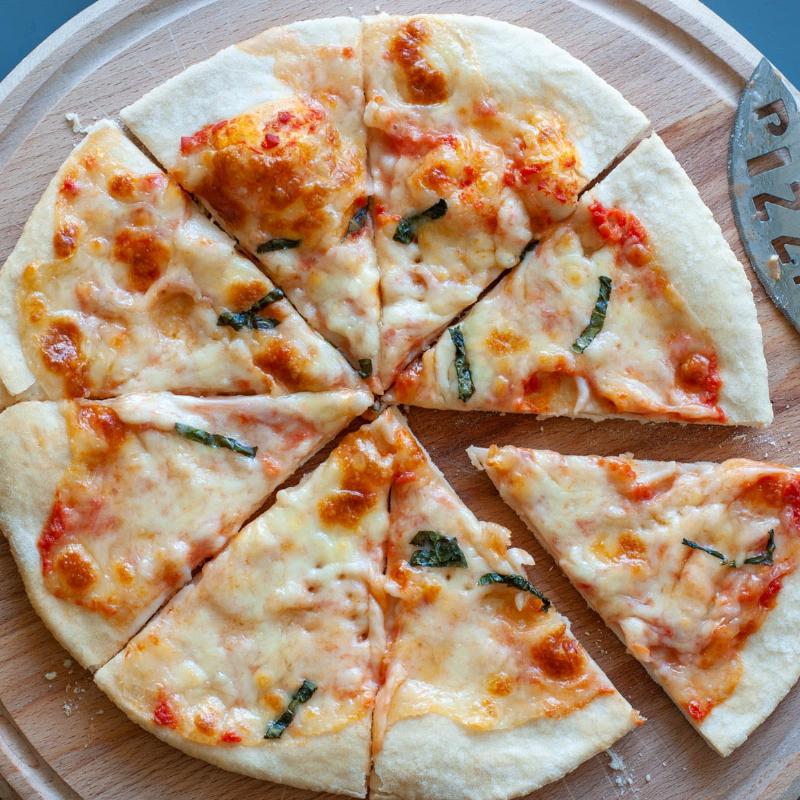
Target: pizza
[(119, 284), (453, 213), (109, 505), (693, 566), (484, 687), (268, 134), (474, 149), (277, 662), (617, 312)]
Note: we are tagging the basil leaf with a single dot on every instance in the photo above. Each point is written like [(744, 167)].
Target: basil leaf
[(215, 440), (406, 231), (466, 388), (359, 219), (598, 316), (528, 248), (365, 367), (517, 582), (764, 557), (302, 695), (249, 318), (726, 562), (272, 245), (436, 550)]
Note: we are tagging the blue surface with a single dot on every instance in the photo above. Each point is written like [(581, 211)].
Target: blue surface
[(773, 26)]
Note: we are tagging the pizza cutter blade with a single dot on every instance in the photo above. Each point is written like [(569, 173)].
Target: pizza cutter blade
[(764, 173)]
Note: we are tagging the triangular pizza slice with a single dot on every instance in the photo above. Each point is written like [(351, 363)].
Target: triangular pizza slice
[(635, 306), (120, 284), (484, 683), (268, 664), (693, 566), (480, 134), (268, 134), (108, 506)]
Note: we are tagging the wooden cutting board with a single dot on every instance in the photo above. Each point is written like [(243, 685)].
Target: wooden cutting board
[(59, 736)]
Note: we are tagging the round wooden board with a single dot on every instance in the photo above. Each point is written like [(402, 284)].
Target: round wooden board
[(684, 68)]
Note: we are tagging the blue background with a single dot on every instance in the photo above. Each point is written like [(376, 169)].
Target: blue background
[(773, 26)]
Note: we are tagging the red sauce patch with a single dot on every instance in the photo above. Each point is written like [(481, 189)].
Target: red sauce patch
[(163, 713), (60, 347), (699, 709), (699, 374), (791, 498), (424, 83), (144, 253), (623, 229), (54, 529), (770, 594), (230, 737), (559, 656), (69, 188)]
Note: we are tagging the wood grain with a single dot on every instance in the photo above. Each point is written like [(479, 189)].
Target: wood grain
[(61, 738)]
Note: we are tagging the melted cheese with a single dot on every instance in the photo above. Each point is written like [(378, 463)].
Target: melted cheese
[(140, 507), (616, 528), (436, 132), (652, 357), (300, 594), (132, 298), (488, 657), (287, 601)]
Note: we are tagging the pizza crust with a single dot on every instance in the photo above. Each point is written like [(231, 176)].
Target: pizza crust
[(425, 758), (700, 264), (37, 434)]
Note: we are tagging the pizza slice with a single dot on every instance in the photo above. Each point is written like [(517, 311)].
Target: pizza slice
[(480, 134), (268, 663), (693, 566), (618, 312), (268, 134), (108, 506), (119, 284), (486, 692)]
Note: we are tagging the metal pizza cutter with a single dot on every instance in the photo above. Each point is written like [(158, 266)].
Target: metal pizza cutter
[(764, 172)]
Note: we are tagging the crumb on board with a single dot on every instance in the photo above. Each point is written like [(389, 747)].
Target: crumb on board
[(50, 676), (648, 778), (74, 122), (67, 662)]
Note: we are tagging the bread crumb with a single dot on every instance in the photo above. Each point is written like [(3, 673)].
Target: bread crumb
[(75, 123), (50, 676), (648, 778), (67, 662)]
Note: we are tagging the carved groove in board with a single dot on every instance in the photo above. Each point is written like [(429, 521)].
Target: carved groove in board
[(664, 34), (135, 26)]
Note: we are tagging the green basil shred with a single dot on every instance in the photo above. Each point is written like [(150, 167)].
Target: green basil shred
[(302, 695), (598, 317), (436, 550), (726, 562), (406, 231), (249, 318), (365, 367), (215, 440), (273, 245), (466, 388), (764, 557), (359, 219), (517, 582)]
